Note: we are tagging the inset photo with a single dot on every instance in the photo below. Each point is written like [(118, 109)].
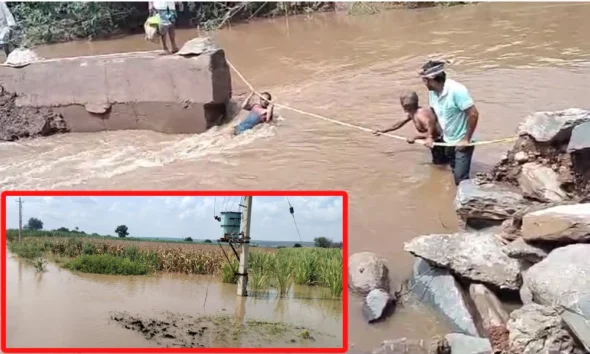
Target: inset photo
[(157, 270)]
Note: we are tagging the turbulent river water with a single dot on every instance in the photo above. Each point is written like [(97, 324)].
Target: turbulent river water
[(515, 59)]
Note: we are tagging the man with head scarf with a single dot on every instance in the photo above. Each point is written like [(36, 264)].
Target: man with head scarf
[(456, 113)]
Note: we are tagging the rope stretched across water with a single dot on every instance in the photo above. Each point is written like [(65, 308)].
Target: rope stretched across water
[(477, 143)]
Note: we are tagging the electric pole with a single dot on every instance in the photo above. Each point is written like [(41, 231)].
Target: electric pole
[(243, 269), (20, 218)]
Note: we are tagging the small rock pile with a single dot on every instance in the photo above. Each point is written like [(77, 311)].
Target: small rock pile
[(527, 236)]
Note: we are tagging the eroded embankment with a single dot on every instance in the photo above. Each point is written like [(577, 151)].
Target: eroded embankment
[(24, 122)]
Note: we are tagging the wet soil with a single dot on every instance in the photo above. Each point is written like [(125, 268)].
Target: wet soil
[(573, 175), (24, 122), (172, 330)]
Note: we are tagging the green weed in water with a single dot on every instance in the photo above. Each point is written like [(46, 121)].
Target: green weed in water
[(228, 273), (107, 264), (40, 264), (283, 275)]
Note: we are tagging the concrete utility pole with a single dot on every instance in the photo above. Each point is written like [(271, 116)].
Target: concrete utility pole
[(20, 218), (243, 269)]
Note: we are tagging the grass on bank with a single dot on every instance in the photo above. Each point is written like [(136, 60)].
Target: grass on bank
[(279, 269)]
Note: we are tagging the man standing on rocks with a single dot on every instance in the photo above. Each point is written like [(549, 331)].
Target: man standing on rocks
[(456, 113), (166, 10)]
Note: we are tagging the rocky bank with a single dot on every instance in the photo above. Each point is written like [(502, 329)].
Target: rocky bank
[(527, 240)]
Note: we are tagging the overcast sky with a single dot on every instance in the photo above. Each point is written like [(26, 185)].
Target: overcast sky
[(183, 216)]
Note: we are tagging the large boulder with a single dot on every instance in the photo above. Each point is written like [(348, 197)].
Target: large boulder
[(475, 256), (409, 346), (561, 278), (21, 57), (520, 249), (557, 126), (577, 319), (126, 91), (564, 223), (580, 139), (541, 183), (439, 289), (536, 329), (367, 272), (488, 201), (377, 304)]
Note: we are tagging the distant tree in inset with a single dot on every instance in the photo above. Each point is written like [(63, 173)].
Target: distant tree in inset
[(122, 231), (34, 224)]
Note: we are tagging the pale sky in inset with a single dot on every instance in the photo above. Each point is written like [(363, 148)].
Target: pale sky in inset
[(181, 217)]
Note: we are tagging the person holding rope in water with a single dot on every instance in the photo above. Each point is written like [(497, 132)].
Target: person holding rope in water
[(425, 122), (456, 113), (261, 112)]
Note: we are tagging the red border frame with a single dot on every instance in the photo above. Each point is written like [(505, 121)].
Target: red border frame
[(113, 193)]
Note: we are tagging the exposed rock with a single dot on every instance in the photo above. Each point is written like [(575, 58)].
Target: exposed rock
[(564, 223), (376, 304), (561, 278), (492, 315), (197, 46), (526, 296), (438, 288), (462, 344), (519, 249), (521, 157), (488, 201), (367, 272), (542, 183), (580, 139), (553, 126), (536, 329), (476, 256), (577, 319), (510, 230), (21, 57), (408, 346)]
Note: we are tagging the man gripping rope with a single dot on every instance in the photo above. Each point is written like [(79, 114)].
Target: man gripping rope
[(456, 113)]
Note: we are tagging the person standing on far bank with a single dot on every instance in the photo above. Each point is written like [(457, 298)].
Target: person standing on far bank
[(166, 10), (456, 114)]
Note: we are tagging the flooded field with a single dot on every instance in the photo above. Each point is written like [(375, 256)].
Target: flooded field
[(64, 309)]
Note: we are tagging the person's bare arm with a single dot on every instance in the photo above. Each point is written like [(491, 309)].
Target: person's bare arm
[(394, 127), (246, 104), (270, 112), (472, 119)]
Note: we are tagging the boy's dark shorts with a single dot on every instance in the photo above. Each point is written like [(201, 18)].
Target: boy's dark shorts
[(439, 154)]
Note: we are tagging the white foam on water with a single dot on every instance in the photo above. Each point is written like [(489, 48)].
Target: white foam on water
[(35, 163)]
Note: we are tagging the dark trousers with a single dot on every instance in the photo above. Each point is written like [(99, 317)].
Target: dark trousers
[(460, 161), (439, 153)]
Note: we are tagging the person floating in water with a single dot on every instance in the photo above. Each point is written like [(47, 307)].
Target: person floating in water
[(260, 112), (426, 124), (456, 112), (166, 10)]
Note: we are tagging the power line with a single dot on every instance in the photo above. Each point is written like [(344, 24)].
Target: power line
[(292, 211)]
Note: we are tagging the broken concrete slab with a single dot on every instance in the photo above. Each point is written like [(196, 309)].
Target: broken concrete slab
[(377, 304), (475, 256), (410, 346), (492, 315), (438, 288), (366, 272), (563, 223), (198, 46), (144, 90), (541, 183), (561, 278), (577, 318), (580, 139), (463, 344), (556, 126), (488, 201), (538, 329), (520, 249)]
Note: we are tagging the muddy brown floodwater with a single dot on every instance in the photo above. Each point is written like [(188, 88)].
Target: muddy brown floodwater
[(66, 309), (515, 59)]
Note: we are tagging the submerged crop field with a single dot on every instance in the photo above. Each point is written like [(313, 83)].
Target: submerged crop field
[(269, 268)]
